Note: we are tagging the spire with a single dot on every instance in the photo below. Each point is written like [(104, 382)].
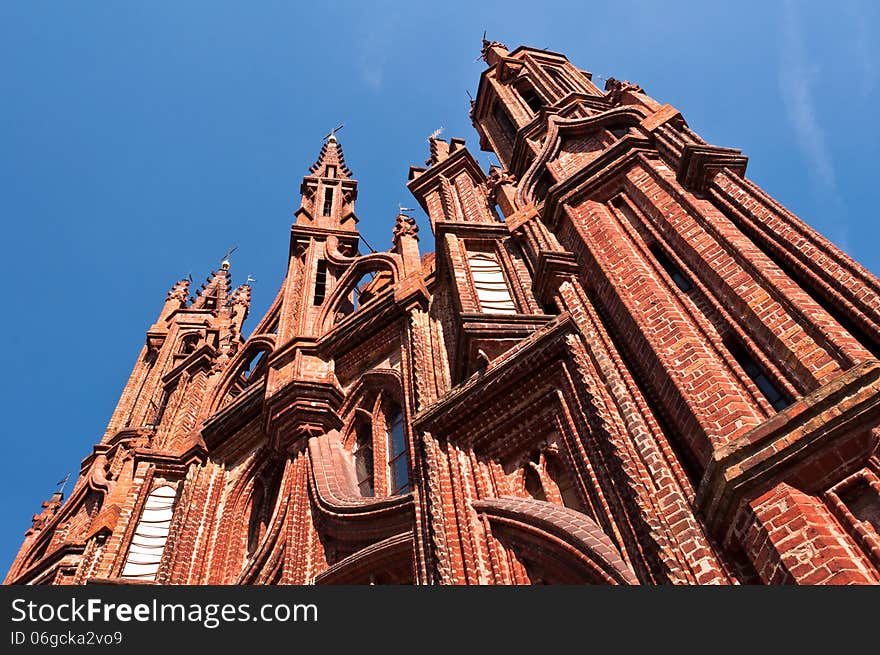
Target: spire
[(328, 191), (331, 161), (214, 293)]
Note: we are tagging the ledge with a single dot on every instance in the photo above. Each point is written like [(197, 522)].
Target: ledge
[(824, 422)]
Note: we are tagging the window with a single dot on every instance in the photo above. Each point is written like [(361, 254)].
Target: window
[(331, 171), (542, 186), (491, 287), (188, 344), (320, 282), (529, 95), (671, 269), (533, 485), (363, 459), (751, 368), (377, 443), (504, 122), (150, 535), (263, 500), (328, 201), (398, 466), (565, 482)]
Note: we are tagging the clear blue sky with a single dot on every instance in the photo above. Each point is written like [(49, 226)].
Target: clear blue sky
[(139, 141)]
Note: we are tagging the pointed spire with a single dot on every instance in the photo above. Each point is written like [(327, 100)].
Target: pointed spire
[(331, 161), (214, 293), (177, 297), (328, 192)]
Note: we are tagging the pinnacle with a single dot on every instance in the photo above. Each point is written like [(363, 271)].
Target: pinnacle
[(331, 155)]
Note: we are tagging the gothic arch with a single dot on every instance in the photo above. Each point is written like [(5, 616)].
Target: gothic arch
[(567, 544), (373, 263), (556, 128), (255, 346)]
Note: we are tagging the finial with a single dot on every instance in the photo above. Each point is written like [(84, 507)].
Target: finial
[(404, 225), (62, 483), (250, 279), (225, 263), (433, 135), (331, 137)]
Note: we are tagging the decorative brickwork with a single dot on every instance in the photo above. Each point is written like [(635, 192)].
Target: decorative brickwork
[(624, 364)]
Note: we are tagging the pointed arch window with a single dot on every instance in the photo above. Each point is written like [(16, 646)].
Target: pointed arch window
[(547, 477), (529, 95), (363, 459), (378, 446), (150, 535), (398, 465), (504, 122), (490, 284)]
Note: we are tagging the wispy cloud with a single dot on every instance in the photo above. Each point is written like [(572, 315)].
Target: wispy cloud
[(796, 79), (376, 43), (864, 58)]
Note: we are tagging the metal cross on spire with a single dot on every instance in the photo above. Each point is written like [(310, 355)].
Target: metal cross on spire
[(402, 210), (332, 134), (62, 484)]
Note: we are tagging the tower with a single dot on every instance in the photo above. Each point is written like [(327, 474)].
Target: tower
[(624, 363)]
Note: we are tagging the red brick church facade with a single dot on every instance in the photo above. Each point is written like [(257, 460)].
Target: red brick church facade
[(625, 363)]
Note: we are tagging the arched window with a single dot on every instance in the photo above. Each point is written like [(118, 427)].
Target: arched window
[(490, 284), (504, 122), (188, 343), (533, 484), (377, 444), (529, 95), (150, 535), (398, 465), (363, 458), (565, 483), (263, 499)]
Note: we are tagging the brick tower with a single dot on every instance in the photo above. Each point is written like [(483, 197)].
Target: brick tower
[(625, 363)]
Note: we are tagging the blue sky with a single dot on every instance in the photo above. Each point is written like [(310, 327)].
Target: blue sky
[(139, 141)]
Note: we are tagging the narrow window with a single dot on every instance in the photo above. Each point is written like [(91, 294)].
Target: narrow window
[(529, 95), (256, 525), (671, 269), (751, 368), (398, 467), (188, 344), (504, 122), (491, 287), (320, 282), (542, 186), (328, 201), (150, 535), (566, 484), (533, 485), (331, 170), (363, 458)]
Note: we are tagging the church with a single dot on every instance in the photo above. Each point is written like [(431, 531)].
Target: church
[(625, 363)]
